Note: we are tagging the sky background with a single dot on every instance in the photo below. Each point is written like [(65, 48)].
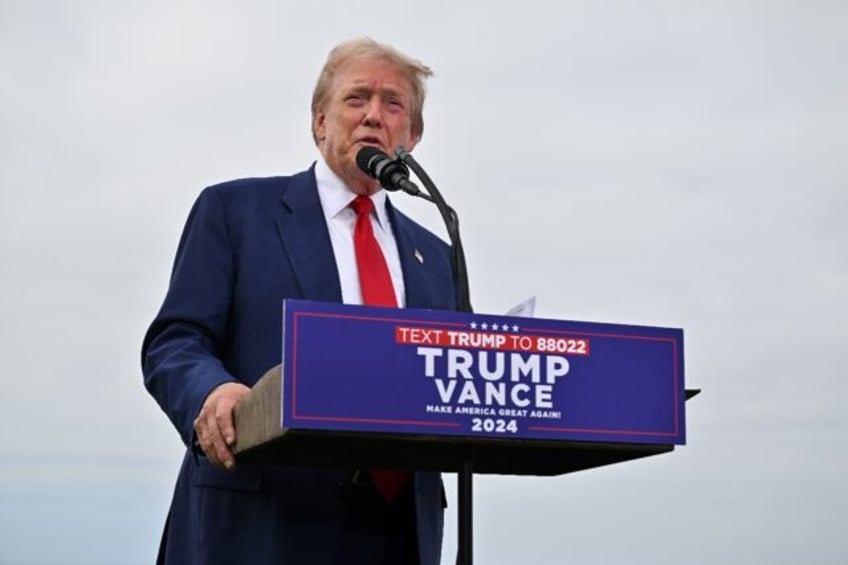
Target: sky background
[(679, 164)]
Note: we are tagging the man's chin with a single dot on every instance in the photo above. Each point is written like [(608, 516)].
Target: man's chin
[(366, 188), (360, 183)]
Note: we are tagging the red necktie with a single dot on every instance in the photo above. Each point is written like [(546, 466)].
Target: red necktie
[(374, 278), (377, 290)]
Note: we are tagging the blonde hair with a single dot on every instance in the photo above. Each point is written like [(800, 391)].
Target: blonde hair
[(343, 54)]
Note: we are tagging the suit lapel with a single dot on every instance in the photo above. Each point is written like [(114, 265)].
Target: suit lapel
[(412, 260), (304, 236)]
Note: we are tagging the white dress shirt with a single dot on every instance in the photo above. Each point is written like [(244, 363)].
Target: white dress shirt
[(335, 202)]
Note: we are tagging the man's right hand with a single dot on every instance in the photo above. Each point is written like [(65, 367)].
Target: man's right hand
[(214, 426)]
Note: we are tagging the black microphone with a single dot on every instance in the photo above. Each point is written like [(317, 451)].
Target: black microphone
[(393, 175)]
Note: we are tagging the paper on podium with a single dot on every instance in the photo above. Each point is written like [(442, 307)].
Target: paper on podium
[(526, 309)]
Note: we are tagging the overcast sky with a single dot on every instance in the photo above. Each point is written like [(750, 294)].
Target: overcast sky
[(674, 163)]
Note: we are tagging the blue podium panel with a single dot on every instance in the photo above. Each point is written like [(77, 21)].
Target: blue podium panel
[(434, 373)]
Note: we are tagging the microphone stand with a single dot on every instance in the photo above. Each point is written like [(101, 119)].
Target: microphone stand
[(464, 554), (451, 223)]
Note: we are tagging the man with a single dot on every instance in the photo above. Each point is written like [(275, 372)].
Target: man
[(249, 244)]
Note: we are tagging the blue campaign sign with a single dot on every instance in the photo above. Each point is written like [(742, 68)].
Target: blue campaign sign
[(424, 372)]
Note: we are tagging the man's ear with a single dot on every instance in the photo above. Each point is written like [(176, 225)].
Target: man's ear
[(318, 126)]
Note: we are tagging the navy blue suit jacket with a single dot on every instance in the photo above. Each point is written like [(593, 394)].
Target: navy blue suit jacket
[(246, 246)]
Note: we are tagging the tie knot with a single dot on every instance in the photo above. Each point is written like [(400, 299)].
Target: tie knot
[(362, 205)]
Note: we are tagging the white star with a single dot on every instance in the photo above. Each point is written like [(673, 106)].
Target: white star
[(473, 325), (514, 328), (484, 325), (495, 327)]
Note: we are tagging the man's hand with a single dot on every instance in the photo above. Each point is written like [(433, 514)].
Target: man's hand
[(214, 425)]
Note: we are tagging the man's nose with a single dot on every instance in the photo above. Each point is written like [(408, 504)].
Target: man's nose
[(373, 113)]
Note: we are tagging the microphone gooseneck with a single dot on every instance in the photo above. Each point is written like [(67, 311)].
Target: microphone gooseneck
[(460, 269)]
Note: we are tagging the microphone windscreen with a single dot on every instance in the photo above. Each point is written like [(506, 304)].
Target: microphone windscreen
[(365, 159)]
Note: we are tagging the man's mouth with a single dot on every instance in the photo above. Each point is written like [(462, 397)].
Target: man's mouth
[(371, 141)]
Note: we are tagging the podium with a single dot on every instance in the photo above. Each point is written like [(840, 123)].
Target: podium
[(365, 386)]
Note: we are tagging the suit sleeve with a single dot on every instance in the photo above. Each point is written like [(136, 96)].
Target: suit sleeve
[(183, 349)]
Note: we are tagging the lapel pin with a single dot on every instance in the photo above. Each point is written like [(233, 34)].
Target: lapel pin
[(419, 256)]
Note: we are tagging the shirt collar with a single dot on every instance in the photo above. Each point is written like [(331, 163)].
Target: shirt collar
[(336, 197)]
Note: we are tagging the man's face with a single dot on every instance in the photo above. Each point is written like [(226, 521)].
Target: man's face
[(369, 104)]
